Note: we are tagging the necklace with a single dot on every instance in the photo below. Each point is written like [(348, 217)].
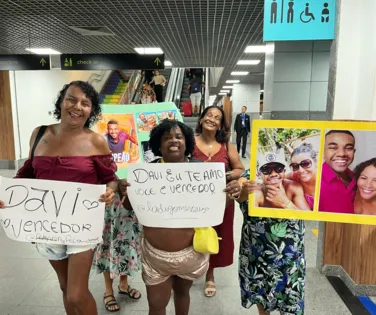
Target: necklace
[(209, 145)]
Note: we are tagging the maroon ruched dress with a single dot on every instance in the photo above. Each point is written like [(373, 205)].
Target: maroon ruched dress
[(225, 230), (95, 169)]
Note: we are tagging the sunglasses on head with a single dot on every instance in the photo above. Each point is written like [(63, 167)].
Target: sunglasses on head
[(268, 169), (305, 164)]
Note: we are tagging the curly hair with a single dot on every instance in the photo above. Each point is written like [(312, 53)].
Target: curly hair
[(305, 148), (90, 93), (362, 166), (223, 134), (165, 127)]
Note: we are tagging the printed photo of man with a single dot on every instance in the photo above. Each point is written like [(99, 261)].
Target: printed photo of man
[(146, 122), (116, 139), (278, 192), (338, 183)]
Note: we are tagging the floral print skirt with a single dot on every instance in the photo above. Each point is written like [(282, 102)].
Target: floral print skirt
[(120, 251), (272, 264)]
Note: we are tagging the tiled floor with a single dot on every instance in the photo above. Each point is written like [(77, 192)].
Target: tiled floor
[(28, 286)]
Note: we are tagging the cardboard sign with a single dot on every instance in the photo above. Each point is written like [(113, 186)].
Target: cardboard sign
[(314, 170), (54, 212), (126, 129), (178, 195)]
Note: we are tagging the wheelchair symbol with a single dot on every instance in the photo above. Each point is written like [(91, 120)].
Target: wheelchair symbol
[(308, 14)]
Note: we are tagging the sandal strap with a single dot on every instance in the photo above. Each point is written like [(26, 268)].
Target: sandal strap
[(107, 296), (111, 303)]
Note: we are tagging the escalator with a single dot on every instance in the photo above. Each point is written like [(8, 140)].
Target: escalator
[(114, 88), (166, 73)]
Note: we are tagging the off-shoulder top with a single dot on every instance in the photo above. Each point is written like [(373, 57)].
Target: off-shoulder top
[(95, 169)]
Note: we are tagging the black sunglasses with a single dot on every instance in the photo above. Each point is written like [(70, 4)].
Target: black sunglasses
[(268, 169), (305, 164)]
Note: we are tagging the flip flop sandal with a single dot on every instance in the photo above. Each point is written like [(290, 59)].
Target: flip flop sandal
[(210, 292), (130, 292), (110, 303)]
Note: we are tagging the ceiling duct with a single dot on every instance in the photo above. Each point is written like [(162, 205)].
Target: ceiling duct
[(92, 30)]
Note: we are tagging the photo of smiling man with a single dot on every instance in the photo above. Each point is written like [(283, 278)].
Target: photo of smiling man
[(338, 183), (116, 138), (278, 191), (119, 130)]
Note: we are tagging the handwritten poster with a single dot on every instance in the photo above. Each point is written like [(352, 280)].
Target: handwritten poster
[(178, 195), (55, 212), (314, 170)]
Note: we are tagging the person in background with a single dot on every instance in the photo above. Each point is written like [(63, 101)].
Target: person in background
[(119, 255), (271, 259), (116, 138), (168, 258), (212, 145), (365, 198), (159, 82), (70, 151), (148, 76), (337, 179), (242, 127), (194, 90), (304, 167), (277, 191), (147, 94)]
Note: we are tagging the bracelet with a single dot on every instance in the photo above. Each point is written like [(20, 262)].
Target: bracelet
[(290, 205)]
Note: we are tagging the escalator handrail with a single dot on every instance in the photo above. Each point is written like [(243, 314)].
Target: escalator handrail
[(172, 85), (179, 87)]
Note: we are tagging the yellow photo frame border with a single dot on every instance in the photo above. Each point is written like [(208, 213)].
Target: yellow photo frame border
[(314, 215)]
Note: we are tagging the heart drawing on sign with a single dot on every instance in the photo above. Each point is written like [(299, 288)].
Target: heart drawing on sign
[(90, 205), (5, 223)]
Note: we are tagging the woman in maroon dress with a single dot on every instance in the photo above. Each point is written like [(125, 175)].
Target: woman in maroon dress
[(212, 145), (70, 151)]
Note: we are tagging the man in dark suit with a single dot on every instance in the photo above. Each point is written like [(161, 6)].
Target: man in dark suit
[(242, 129)]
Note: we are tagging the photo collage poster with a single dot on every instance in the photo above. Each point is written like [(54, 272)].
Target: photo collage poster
[(126, 129), (314, 170)]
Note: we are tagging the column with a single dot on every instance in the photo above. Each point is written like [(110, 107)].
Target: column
[(7, 152), (296, 80)]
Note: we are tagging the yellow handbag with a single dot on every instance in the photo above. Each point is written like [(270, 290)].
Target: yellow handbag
[(205, 241)]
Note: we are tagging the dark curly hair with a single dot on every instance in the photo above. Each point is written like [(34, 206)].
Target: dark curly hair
[(90, 92), (360, 167), (223, 134), (165, 127)]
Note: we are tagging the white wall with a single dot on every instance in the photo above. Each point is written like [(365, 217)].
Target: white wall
[(246, 95), (33, 95), (301, 72), (355, 90)]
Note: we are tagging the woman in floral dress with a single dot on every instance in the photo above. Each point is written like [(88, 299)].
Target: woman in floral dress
[(120, 253), (271, 260)]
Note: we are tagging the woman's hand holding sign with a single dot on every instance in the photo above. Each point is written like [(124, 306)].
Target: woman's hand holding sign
[(123, 186), (108, 197), (2, 205), (233, 190)]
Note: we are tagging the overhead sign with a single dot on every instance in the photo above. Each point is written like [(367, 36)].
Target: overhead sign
[(52, 211), (286, 20), (178, 195), (111, 62), (24, 62)]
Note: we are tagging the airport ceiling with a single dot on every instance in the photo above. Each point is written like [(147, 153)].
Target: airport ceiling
[(192, 33)]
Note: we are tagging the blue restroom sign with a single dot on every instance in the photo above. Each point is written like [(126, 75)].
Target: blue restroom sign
[(286, 20)]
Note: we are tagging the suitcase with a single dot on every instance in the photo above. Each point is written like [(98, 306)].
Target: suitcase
[(187, 109)]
